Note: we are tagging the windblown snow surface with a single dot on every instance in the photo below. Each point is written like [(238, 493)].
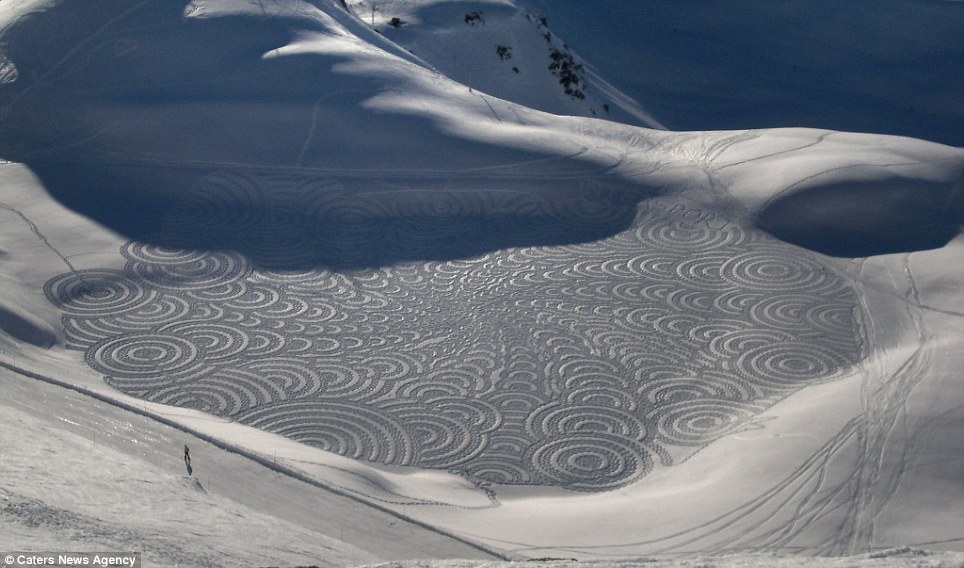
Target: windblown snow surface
[(414, 281)]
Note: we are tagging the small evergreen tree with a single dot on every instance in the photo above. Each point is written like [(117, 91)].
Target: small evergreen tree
[(473, 18), (567, 70)]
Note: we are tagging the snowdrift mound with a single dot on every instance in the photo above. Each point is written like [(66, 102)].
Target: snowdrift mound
[(889, 217), (826, 192), (21, 328)]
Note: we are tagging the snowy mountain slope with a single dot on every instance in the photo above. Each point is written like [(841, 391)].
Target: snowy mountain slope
[(85, 475), (503, 49), (868, 66), (547, 334)]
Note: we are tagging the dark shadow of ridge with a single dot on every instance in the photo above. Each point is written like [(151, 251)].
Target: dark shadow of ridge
[(289, 222), (859, 220), (103, 85), (150, 51)]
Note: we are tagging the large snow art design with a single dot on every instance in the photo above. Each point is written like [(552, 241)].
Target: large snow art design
[(581, 366)]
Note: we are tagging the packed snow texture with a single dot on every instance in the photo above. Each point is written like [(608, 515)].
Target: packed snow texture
[(681, 329)]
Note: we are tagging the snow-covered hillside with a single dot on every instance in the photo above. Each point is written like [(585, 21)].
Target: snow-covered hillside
[(889, 67), (503, 49), (404, 302)]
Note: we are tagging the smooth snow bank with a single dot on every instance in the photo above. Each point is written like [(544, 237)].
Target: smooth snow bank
[(904, 557), (23, 327), (829, 192), (83, 475)]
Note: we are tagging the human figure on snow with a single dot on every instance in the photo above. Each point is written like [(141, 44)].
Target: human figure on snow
[(187, 460)]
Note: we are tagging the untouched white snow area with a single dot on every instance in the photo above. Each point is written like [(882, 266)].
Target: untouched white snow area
[(408, 301)]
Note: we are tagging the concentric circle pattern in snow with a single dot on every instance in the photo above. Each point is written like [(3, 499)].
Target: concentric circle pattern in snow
[(579, 366)]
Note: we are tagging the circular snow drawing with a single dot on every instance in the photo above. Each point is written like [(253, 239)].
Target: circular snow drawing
[(580, 366)]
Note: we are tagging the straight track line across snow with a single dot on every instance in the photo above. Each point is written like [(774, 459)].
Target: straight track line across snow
[(500, 171), (261, 460)]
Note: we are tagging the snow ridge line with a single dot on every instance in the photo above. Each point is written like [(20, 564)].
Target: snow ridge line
[(497, 171), (36, 231), (263, 461)]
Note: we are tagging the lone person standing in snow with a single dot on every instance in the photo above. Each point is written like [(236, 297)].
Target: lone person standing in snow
[(187, 460)]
